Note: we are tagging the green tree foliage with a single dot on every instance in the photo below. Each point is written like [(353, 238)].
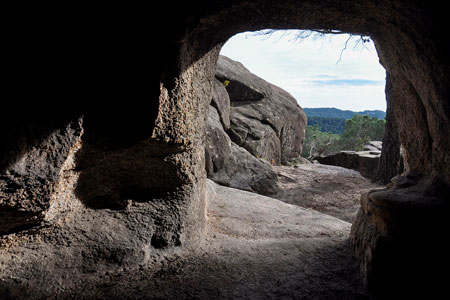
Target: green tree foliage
[(358, 131), (318, 143), (332, 125), (331, 112)]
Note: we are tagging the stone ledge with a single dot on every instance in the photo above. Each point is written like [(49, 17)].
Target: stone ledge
[(400, 238)]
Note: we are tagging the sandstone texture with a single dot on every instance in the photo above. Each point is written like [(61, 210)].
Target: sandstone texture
[(331, 190), (231, 165), (30, 181), (136, 175), (366, 162), (254, 247), (221, 102), (251, 124), (265, 119), (398, 236)]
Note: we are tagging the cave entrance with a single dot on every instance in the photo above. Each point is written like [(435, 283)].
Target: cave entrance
[(262, 81), (255, 132), (400, 242)]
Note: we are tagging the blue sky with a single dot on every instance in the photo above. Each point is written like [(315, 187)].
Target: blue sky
[(313, 70)]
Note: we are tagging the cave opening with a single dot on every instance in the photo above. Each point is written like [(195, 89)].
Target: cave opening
[(399, 234), (257, 135)]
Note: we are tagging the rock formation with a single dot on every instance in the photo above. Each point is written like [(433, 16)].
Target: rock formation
[(265, 119), (391, 161), (136, 175), (365, 162), (398, 232), (231, 165), (265, 123)]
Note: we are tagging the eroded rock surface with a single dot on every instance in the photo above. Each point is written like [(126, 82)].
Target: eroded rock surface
[(234, 166), (332, 190), (365, 162), (251, 124), (221, 102), (30, 184), (56, 59), (399, 233), (265, 119), (255, 247)]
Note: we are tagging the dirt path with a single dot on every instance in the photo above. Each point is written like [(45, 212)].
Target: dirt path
[(329, 189), (262, 248), (255, 247)]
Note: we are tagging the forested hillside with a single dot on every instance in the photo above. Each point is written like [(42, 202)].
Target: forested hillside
[(357, 131), (331, 112), (330, 119), (332, 125)]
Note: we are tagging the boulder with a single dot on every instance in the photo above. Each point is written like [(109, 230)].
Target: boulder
[(373, 146), (221, 102), (365, 162), (399, 234), (246, 172), (218, 144), (233, 166), (265, 119), (251, 124)]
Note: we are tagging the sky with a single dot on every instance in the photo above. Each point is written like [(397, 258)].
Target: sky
[(313, 69)]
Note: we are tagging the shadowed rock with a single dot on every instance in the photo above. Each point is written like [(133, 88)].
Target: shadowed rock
[(265, 119), (233, 166), (365, 162), (64, 64)]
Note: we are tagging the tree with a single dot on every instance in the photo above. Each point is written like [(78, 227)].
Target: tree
[(318, 143), (359, 130), (332, 125)]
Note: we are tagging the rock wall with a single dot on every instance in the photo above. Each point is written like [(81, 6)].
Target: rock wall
[(32, 168), (391, 161), (97, 63), (399, 236)]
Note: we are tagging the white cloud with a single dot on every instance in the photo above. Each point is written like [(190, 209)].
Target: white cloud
[(314, 71)]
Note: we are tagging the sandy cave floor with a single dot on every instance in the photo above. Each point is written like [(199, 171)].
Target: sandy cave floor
[(331, 190), (257, 247), (261, 248)]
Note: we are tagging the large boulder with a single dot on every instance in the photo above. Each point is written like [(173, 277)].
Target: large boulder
[(365, 162), (400, 236), (233, 166), (265, 119), (245, 172), (221, 102), (218, 144), (251, 124)]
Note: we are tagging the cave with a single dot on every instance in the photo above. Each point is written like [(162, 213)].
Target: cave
[(104, 129)]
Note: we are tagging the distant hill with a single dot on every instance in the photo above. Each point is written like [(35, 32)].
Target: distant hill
[(333, 125), (331, 112), (330, 119)]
